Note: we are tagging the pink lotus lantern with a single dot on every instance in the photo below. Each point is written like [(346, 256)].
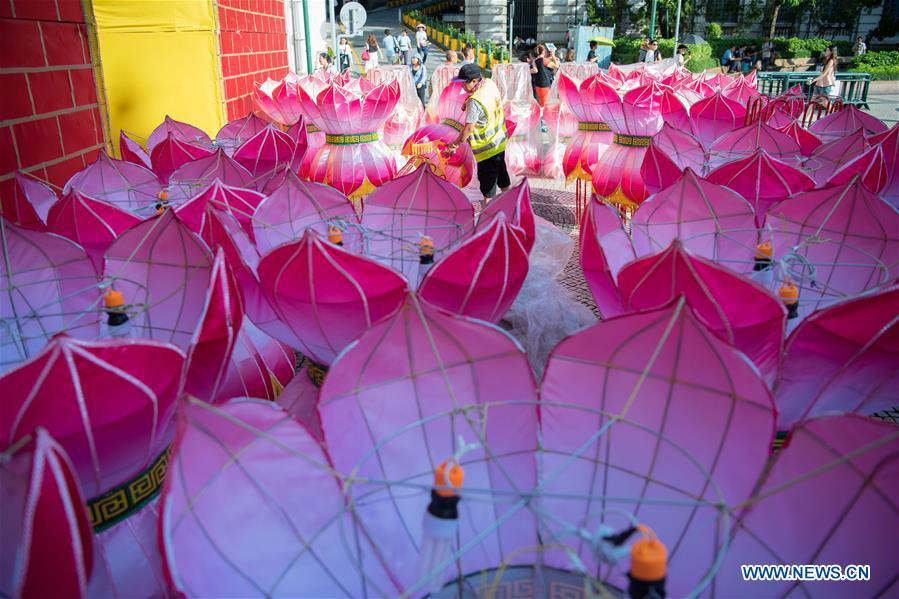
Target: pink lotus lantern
[(194, 176), (299, 205), (746, 141), (463, 366), (714, 116), (843, 122), (830, 156), (846, 234), (841, 469), (237, 202), (353, 159), (184, 132), (279, 101), (807, 140), (625, 412), (414, 220), (28, 204), (634, 119), (266, 155), (481, 277), (49, 286), (516, 205), (326, 296), (235, 133), (889, 144), (658, 171), (49, 545), (601, 229), (562, 125), (460, 167), (162, 268), (762, 179), (93, 224), (870, 167), (741, 89), (118, 182), (780, 118), (680, 147), (741, 312), (109, 404), (171, 153), (440, 79), (711, 220), (132, 151), (522, 155), (584, 99), (409, 112), (841, 359)]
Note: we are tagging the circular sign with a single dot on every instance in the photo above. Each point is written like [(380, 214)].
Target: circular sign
[(353, 16)]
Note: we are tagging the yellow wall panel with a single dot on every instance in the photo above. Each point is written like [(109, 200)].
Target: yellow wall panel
[(158, 57)]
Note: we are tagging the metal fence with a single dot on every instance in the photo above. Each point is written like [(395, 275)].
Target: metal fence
[(853, 87)]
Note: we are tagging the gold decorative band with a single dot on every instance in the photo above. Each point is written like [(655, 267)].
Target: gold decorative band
[(350, 139), (316, 372), (639, 141), (310, 128), (564, 139), (523, 137), (593, 126), (452, 123), (119, 503)]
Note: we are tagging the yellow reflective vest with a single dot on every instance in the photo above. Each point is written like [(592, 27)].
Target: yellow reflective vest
[(489, 139)]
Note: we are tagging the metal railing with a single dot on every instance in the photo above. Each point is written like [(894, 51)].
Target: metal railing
[(853, 87)]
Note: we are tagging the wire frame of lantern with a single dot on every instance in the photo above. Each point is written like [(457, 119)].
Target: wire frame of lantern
[(837, 241), (311, 550), (127, 185), (513, 512), (162, 269), (49, 285)]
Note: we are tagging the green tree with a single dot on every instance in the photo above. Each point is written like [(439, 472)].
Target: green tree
[(774, 9)]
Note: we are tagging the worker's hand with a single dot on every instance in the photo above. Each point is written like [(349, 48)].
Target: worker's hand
[(450, 148)]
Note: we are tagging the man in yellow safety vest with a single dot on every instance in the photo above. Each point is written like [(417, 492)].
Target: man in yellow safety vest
[(484, 129)]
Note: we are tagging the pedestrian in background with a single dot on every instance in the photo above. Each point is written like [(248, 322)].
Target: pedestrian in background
[(369, 57), (419, 78), (405, 48), (591, 55), (825, 82), (451, 57), (390, 49), (421, 42), (860, 47), (570, 55), (372, 42), (468, 55), (344, 55), (539, 74)]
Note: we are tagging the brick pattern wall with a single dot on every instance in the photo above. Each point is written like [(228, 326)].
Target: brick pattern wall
[(49, 116), (253, 42)]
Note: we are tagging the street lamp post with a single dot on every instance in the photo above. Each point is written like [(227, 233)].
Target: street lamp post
[(652, 20), (677, 27), (511, 30)]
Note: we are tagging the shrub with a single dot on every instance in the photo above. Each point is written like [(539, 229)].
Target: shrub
[(714, 31), (877, 60), (626, 50), (879, 73), (698, 65)]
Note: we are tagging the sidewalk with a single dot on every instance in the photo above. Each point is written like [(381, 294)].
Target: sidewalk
[(384, 18)]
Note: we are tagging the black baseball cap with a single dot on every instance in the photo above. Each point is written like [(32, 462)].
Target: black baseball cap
[(468, 72)]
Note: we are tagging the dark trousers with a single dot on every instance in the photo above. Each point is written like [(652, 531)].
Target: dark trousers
[(492, 172)]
